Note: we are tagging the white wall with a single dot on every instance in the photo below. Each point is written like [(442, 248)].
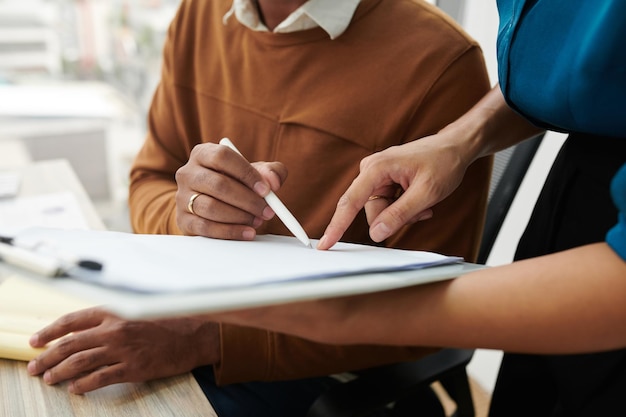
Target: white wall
[(480, 20)]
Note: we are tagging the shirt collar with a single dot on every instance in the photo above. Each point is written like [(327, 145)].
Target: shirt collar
[(331, 15)]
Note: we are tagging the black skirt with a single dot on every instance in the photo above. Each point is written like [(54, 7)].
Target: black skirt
[(573, 209)]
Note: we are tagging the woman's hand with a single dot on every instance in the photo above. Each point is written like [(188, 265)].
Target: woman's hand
[(425, 170)]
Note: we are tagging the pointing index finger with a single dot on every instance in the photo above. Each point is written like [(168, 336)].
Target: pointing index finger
[(348, 206)]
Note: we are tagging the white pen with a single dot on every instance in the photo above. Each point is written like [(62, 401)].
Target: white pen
[(279, 208), (29, 260)]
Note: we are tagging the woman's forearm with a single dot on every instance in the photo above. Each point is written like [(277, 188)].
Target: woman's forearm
[(490, 126), (573, 301)]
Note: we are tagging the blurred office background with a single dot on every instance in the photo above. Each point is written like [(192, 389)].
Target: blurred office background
[(77, 77)]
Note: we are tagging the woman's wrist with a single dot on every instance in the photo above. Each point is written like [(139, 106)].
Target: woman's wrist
[(488, 127)]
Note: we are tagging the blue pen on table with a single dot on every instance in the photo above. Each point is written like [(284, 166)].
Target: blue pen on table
[(279, 208), (48, 264)]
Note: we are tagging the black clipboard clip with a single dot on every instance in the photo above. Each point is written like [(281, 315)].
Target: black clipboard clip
[(43, 258)]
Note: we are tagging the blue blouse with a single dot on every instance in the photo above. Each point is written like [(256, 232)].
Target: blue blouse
[(616, 237), (562, 64)]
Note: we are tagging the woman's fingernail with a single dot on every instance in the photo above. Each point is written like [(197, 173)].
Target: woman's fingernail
[(380, 232), (425, 216), (34, 340)]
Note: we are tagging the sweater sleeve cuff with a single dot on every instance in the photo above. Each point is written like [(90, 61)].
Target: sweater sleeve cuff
[(242, 342)]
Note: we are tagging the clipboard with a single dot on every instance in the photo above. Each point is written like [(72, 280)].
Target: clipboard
[(350, 269), (132, 305)]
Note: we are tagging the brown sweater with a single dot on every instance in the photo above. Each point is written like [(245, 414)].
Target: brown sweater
[(401, 71)]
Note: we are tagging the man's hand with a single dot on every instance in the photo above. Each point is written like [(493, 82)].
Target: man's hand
[(229, 202), (96, 349)]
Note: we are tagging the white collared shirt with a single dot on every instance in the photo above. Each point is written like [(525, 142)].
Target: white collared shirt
[(333, 16)]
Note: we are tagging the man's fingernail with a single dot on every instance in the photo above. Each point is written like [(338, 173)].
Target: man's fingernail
[(31, 367), (261, 188), (380, 232), (322, 243), (248, 234), (268, 213), (34, 340)]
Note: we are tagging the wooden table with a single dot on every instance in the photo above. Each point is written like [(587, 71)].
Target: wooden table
[(22, 395)]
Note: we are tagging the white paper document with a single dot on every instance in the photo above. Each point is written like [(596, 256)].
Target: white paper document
[(9, 184), (166, 264), (55, 210)]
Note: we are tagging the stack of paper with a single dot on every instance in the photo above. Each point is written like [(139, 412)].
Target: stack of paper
[(166, 264)]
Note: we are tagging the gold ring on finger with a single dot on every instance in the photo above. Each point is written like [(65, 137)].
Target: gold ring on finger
[(376, 197), (190, 203)]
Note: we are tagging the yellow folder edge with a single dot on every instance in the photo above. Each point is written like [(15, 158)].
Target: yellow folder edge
[(15, 346), (26, 307)]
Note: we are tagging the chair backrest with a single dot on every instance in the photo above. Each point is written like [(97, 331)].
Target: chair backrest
[(509, 169)]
